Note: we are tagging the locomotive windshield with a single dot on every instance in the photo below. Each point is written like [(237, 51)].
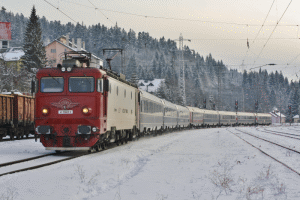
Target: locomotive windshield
[(52, 84), (81, 84)]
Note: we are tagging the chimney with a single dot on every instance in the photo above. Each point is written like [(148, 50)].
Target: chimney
[(73, 43), (78, 44), (83, 45), (67, 40), (47, 41)]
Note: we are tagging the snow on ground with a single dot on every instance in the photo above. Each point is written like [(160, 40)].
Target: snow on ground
[(194, 164), (20, 149)]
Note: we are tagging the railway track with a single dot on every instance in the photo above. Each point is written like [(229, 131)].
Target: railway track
[(43, 161), (272, 153), (36, 162), (284, 134), (8, 139)]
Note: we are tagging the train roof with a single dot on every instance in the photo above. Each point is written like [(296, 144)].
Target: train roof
[(245, 114), (75, 69), (227, 113), (264, 114), (169, 104), (152, 97), (182, 108)]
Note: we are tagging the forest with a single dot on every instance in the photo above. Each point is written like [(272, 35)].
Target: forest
[(206, 79)]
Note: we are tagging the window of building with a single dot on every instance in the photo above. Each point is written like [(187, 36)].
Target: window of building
[(4, 44), (53, 50)]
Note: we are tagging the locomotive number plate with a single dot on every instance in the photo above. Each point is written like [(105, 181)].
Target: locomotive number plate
[(65, 112)]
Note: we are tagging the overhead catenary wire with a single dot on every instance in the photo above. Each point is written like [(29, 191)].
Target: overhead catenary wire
[(97, 9), (272, 33), (173, 18), (60, 11), (257, 33)]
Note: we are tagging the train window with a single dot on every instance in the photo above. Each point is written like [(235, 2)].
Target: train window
[(100, 85), (146, 106), (131, 95), (117, 91), (124, 93), (82, 84), (52, 84), (142, 106)]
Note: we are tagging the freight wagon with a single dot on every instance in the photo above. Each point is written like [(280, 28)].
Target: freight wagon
[(16, 115)]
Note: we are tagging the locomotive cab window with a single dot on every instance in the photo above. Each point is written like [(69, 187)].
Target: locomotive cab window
[(81, 84), (100, 85), (52, 84)]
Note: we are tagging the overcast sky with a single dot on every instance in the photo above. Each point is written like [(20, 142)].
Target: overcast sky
[(219, 27)]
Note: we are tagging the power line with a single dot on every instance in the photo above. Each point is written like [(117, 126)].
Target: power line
[(251, 39), (172, 18), (257, 33), (272, 32), (60, 11), (97, 9)]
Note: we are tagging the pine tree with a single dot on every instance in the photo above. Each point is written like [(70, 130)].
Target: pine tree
[(35, 54)]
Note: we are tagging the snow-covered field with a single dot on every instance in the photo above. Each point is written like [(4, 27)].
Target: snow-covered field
[(194, 164)]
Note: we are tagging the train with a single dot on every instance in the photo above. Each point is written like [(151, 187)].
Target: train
[(16, 115), (79, 107)]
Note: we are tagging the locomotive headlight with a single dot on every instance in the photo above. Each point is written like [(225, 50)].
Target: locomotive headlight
[(63, 69), (69, 69), (85, 110), (45, 111), (94, 129)]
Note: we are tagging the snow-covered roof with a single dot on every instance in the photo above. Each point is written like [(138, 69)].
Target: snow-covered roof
[(277, 114), (296, 117), (11, 93), (70, 47), (12, 54), (152, 85)]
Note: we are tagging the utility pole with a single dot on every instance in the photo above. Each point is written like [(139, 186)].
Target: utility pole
[(219, 89), (181, 74)]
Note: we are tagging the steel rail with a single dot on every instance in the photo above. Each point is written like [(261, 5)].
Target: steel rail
[(265, 152)]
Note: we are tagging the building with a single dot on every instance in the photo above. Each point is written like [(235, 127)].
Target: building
[(55, 51), (12, 57), (296, 119), (5, 35), (150, 86), (277, 117)]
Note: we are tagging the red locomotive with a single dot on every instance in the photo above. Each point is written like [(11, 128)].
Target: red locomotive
[(83, 108)]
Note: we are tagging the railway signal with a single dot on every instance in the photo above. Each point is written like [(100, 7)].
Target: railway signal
[(236, 105), (204, 103), (256, 105)]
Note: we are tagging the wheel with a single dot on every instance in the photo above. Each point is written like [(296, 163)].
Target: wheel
[(98, 148), (103, 146)]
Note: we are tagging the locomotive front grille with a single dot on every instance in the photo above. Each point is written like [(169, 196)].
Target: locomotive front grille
[(67, 142)]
